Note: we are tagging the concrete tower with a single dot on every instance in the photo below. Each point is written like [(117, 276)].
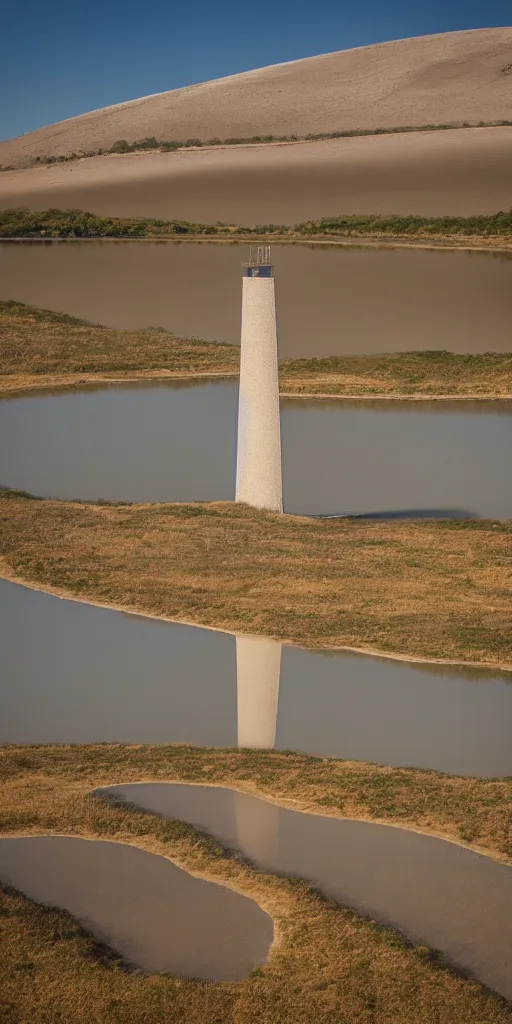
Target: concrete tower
[(258, 465), (258, 667)]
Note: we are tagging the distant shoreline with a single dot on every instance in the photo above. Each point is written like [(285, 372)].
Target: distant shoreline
[(443, 243)]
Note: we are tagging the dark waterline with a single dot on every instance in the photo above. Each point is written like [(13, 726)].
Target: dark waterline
[(73, 673), (157, 442), (158, 917), (330, 301), (435, 892)]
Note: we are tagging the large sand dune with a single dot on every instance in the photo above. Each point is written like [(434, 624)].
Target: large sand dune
[(456, 76)]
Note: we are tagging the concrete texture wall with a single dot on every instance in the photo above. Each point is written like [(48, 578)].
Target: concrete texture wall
[(258, 469), (258, 667)]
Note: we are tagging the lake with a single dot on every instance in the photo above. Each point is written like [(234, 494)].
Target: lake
[(330, 300)]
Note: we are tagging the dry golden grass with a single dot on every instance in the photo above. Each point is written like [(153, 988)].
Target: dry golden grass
[(402, 375), (40, 349), (328, 964), (41, 345), (428, 589)]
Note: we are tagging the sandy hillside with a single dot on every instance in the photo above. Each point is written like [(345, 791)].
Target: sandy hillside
[(457, 172), (455, 76)]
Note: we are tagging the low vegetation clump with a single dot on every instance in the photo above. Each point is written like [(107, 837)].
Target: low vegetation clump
[(438, 589), (150, 142), (24, 223), (329, 964), (39, 348)]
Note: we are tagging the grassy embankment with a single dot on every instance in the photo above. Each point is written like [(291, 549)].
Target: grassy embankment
[(426, 589), (151, 143), (482, 230), (39, 348), (329, 965)]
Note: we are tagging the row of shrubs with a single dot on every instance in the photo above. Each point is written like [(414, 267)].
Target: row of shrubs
[(150, 142), (23, 223)]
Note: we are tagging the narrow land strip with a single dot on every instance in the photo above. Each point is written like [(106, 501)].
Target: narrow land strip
[(42, 349), (427, 589)]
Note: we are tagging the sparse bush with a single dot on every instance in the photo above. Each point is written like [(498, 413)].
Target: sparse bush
[(121, 146)]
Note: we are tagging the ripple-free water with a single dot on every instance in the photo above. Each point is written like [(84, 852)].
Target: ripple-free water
[(330, 301), (73, 673), (163, 442), (435, 892), (157, 916)]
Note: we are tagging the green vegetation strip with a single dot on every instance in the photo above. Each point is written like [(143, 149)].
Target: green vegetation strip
[(39, 348), (150, 142), (53, 223), (329, 965), (431, 589)]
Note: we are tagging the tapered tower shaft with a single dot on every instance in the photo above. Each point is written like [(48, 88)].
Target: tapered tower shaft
[(258, 467)]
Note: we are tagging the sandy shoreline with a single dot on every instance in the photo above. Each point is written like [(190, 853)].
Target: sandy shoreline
[(467, 243), (19, 384)]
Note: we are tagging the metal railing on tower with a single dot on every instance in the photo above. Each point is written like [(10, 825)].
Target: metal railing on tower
[(259, 256)]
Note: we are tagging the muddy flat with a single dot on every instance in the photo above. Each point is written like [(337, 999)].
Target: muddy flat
[(458, 173), (158, 917), (435, 892)]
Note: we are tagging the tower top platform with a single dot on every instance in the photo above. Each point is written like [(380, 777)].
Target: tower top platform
[(259, 263)]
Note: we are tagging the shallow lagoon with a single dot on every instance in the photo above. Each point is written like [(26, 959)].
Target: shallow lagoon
[(157, 916)]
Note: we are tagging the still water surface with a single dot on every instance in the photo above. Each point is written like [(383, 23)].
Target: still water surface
[(73, 673), (436, 893), (160, 442), (155, 915), (330, 301)]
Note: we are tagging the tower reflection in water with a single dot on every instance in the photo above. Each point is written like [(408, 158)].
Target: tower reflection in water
[(258, 667)]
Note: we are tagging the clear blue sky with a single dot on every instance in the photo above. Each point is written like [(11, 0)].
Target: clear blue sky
[(65, 58)]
